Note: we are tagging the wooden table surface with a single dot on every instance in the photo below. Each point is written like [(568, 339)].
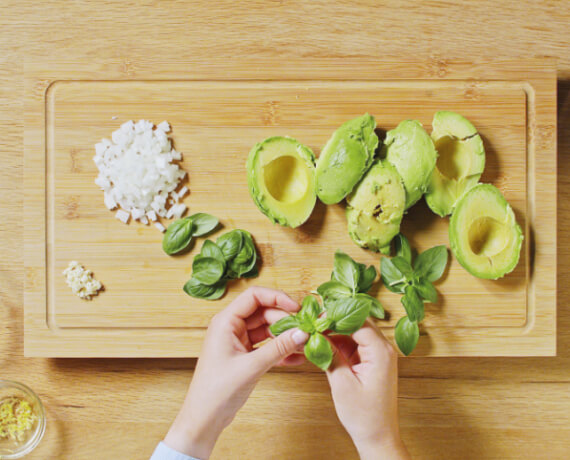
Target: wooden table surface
[(451, 408)]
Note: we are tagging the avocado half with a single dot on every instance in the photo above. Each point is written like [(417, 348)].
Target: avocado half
[(460, 162), (345, 158), (281, 180), (376, 207), (412, 152), (483, 233)]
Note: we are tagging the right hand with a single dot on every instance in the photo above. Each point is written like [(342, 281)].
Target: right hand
[(364, 385)]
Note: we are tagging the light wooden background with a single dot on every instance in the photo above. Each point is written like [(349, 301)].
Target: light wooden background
[(450, 407)]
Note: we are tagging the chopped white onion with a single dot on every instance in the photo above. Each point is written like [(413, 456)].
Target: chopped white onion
[(152, 216), (123, 216), (136, 170), (183, 191), (160, 226)]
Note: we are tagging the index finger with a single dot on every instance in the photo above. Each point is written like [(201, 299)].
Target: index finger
[(252, 298)]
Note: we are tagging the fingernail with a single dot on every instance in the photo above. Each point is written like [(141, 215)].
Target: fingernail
[(300, 337)]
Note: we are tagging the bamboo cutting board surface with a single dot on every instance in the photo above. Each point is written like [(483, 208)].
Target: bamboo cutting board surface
[(217, 113)]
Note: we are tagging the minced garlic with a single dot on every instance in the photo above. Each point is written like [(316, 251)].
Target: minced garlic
[(81, 281), (16, 418)]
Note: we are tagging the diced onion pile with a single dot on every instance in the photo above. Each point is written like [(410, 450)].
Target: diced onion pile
[(81, 281), (138, 175)]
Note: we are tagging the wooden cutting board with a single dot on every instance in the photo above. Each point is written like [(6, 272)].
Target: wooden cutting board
[(217, 112)]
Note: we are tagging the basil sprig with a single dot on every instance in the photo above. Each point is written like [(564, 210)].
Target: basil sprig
[(232, 256), (344, 308), (179, 233), (415, 281)]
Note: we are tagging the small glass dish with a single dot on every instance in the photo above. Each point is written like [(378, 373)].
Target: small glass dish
[(11, 448)]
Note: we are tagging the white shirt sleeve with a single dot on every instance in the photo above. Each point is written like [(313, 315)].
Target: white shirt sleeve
[(163, 452)]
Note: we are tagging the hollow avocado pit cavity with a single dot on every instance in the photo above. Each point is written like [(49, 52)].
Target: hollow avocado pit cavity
[(286, 179), (454, 161), (460, 163), (483, 233), (281, 180), (487, 236)]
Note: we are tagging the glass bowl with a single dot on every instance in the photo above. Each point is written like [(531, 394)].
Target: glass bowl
[(10, 448)]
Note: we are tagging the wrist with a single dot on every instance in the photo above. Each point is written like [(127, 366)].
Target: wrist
[(386, 448), (192, 438)]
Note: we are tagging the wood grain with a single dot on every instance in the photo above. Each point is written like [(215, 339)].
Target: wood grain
[(467, 408), (216, 120)]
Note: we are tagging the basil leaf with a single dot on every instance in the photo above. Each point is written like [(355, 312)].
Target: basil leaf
[(310, 308), (210, 249), (403, 248), (431, 264), (367, 277), (203, 223), (348, 315), (346, 271), (201, 291), (426, 290), (376, 309), (318, 350), (413, 304), (230, 243), (333, 290), (284, 324), (392, 278), (404, 266), (253, 273), (178, 236), (322, 324), (207, 270), (407, 334)]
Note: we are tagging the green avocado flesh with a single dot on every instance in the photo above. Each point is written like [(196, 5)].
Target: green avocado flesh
[(345, 158), (281, 180), (376, 207), (460, 163), (483, 233), (412, 152)]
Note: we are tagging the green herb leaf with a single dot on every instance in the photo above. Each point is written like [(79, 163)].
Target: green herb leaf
[(318, 350), (407, 334), (367, 277), (202, 291), (207, 270), (376, 309), (230, 243), (322, 324), (413, 304), (431, 264), (392, 278), (253, 273), (211, 249), (426, 290), (333, 290), (284, 324), (310, 308), (203, 223), (346, 271), (347, 315), (403, 266), (178, 236), (403, 248)]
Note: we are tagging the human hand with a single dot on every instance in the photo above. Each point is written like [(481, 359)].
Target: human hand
[(229, 367), (364, 384)]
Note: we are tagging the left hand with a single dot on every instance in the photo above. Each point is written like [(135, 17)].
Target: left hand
[(229, 367)]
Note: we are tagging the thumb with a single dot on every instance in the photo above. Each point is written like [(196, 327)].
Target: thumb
[(276, 350)]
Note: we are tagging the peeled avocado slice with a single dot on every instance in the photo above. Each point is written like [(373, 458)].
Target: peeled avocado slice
[(376, 207), (412, 152), (345, 158), (281, 180), (483, 233), (460, 163)]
